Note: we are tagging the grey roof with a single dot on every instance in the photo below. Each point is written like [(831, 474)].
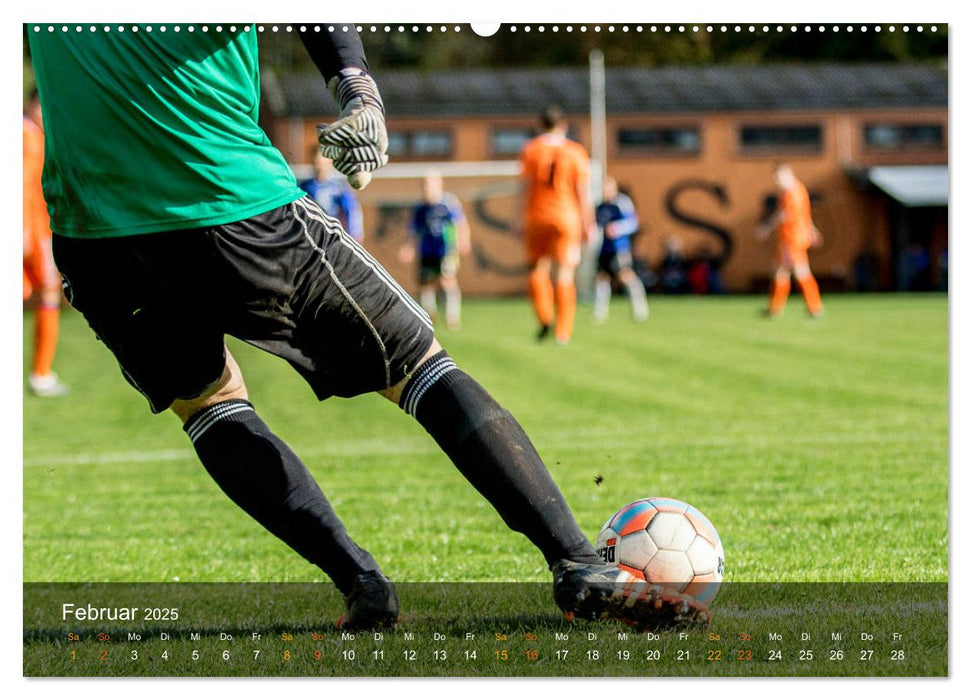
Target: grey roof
[(913, 185), (632, 90)]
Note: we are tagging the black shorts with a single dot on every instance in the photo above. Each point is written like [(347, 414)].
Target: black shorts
[(430, 268), (613, 263), (290, 281)]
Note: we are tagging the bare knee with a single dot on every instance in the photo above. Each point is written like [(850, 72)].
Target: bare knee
[(50, 297), (565, 274), (393, 393), (229, 386), (449, 283), (543, 266)]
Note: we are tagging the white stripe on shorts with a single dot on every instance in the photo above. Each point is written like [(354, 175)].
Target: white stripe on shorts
[(333, 227), (349, 297)]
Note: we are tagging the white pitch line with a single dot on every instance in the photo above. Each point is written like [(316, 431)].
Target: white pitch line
[(361, 449), (551, 440), (109, 458)]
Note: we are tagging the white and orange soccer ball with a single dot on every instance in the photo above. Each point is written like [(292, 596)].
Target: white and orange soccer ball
[(668, 543)]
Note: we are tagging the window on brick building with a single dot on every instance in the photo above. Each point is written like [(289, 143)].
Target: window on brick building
[(681, 140), (420, 143), (786, 138), (902, 136), (509, 141)]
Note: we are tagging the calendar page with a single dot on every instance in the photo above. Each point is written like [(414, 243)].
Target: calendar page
[(477, 629), (608, 349)]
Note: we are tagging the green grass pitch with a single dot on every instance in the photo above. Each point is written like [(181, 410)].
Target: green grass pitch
[(818, 448)]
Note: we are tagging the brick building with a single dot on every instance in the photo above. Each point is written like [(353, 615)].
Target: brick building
[(694, 147)]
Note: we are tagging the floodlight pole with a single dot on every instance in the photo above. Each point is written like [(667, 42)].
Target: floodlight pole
[(598, 119), (586, 272)]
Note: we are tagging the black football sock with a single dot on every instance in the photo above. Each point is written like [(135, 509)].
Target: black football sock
[(266, 479), (492, 451)]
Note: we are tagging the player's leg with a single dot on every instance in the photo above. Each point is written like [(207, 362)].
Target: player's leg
[(539, 254), (541, 294), (378, 339), (602, 287), (165, 333), (781, 283), (43, 381), (809, 286), (453, 300), (635, 289), (427, 297), (263, 476), (601, 298), (361, 332), (566, 299), (28, 282), (780, 291), (429, 270), (491, 450)]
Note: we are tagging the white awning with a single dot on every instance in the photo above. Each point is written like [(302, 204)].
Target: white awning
[(913, 185)]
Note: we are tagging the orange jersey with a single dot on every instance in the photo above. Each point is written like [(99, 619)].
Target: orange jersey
[(795, 231), (39, 270), (554, 169), (36, 220)]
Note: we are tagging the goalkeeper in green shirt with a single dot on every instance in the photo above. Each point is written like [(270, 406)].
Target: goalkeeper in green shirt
[(176, 222)]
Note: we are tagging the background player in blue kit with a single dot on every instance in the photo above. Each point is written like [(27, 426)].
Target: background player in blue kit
[(441, 235), (617, 220), (334, 195)]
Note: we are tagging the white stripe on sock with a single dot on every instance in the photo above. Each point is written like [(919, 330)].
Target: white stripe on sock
[(428, 377), (213, 415)]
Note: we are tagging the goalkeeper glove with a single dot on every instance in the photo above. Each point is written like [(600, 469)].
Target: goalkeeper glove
[(358, 141)]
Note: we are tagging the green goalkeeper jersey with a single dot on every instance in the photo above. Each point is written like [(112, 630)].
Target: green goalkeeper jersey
[(153, 130)]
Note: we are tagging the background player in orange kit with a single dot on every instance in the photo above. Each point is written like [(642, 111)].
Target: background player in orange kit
[(796, 234), (40, 275), (559, 218)]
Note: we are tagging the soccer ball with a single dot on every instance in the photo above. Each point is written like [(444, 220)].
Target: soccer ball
[(668, 543)]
